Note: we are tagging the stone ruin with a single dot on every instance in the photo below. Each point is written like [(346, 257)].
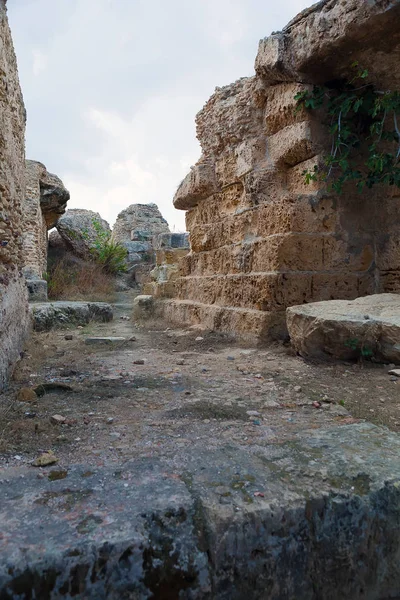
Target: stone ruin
[(14, 317), (45, 201), (136, 228), (261, 239)]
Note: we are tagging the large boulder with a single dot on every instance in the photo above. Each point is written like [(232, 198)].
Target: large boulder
[(81, 229), (367, 327)]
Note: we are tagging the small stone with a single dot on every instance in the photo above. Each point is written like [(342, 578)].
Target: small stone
[(69, 337), (92, 341), (230, 358), (26, 395), (199, 339), (115, 434), (58, 419), (252, 413), (45, 459), (297, 388), (393, 378), (206, 420), (140, 361), (110, 420), (180, 362), (395, 372)]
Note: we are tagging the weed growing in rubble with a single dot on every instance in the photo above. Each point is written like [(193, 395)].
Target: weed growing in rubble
[(110, 255), (364, 122)]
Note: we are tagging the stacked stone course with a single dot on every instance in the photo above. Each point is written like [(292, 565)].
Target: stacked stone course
[(261, 238)]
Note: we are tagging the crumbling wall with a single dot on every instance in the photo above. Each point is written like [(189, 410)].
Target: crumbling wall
[(261, 239), (14, 318), (45, 201)]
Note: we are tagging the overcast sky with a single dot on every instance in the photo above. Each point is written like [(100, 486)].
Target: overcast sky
[(112, 88)]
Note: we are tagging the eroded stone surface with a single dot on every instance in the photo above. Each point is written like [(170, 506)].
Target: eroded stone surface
[(14, 317), (314, 517), (50, 315), (366, 327)]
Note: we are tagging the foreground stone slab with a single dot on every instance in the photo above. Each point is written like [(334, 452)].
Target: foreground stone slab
[(366, 327), (313, 517), (51, 315)]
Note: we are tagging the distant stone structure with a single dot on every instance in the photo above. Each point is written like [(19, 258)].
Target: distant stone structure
[(14, 316), (135, 228), (261, 239), (170, 248), (45, 201)]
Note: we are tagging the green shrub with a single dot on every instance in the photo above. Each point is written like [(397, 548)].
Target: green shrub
[(365, 133), (110, 255)]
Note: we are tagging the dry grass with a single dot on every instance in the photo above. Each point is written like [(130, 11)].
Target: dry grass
[(74, 279)]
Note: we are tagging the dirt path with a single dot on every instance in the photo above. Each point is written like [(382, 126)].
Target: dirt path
[(164, 389)]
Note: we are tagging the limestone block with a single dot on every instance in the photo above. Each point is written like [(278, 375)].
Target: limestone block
[(198, 185), (51, 315), (269, 64), (143, 307), (281, 107), (295, 144), (37, 290), (248, 154), (365, 327), (170, 256), (171, 240)]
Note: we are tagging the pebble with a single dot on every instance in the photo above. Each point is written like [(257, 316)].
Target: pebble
[(110, 420), (58, 419), (297, 388), (199, 339), (180, 362), (69, 337), (140, 361), (26, 395), (230, 358), (252, 413)]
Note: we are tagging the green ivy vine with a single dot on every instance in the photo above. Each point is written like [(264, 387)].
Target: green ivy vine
[(364, 122)]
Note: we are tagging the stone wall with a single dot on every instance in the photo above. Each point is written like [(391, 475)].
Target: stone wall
[(45, 201), (14, 317), (261, 239)]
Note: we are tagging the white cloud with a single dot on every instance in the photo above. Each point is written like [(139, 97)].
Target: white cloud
[(39, 62)]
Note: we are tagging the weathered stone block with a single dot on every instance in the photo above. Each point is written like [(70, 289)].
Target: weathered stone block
[(198, 185), (295, 144), (61, 314), (365, 327), (143, 307), (37, 290)]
